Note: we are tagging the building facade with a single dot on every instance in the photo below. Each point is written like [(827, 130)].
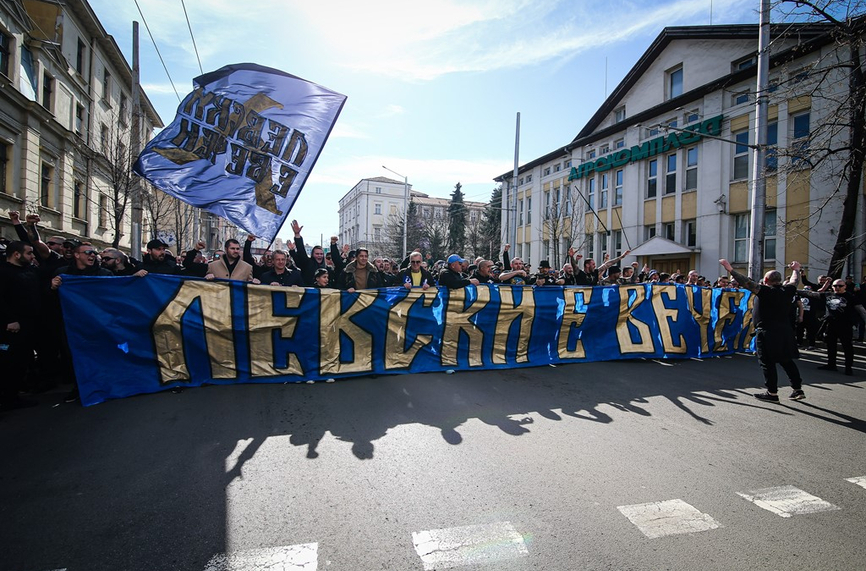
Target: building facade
[(663, 167), (374, 204), (65, 132)]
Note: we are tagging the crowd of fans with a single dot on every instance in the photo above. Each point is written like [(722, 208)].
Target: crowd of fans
[(32, 270)]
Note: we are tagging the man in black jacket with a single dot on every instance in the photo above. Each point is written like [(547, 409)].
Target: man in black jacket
[(281, 274), (415, 275), (774, 336), (156, 261), (19, 313), (307, 265), (451, 277)]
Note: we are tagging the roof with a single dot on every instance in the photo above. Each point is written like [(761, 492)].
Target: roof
[(810, 36)]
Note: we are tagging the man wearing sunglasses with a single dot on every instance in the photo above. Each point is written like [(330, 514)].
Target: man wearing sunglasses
[(842, 309), (415, 275)]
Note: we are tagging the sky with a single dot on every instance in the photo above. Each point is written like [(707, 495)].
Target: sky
[(433, 87)]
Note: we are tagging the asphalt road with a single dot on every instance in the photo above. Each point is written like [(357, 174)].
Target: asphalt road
[(567, 468)]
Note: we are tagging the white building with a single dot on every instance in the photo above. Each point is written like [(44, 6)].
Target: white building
[(373, 203), (665, 166)]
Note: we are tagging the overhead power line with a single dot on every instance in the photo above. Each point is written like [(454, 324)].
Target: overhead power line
[(194, 47), (143, 19)]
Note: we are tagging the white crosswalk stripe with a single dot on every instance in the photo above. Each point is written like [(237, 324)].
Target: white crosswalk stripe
[(468, 545), (787, 501), (302, 557), (658, 519), (859, 480)]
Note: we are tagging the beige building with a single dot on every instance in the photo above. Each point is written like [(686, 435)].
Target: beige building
[(663, 166)]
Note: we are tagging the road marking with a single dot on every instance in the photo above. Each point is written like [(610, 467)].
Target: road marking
[(468, 545), (859, 480), (658, 519), (302, 557), (786, 501)]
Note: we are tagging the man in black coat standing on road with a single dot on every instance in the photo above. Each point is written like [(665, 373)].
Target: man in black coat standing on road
[(774, 335)]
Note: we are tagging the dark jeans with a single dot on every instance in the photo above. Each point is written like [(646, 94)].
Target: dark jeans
[(766, 350), (844, 334)]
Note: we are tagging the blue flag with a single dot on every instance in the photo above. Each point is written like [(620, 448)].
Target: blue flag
[(243, 144)]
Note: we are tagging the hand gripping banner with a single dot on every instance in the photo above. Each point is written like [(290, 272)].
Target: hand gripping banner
[(159, 332), (243, 144)]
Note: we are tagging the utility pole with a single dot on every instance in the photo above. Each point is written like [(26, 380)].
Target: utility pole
[(135, 148), (759, 180), (514, 182)]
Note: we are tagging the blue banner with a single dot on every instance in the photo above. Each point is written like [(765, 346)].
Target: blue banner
[(157, 332), (243, 144)]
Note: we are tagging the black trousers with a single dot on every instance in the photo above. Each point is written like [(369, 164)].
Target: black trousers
[(843, 333), (768, 364)]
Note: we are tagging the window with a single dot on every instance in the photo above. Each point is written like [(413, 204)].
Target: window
[(520, 212), (603, 244), (799, 75), (619, 115), (690, 233), (5, 52), (528, 210), (103, 211), (741, 155), (671, 175), (617, 195), (124, 108), (617, 243), (675, 82), (602, 197), (547, 205), (547, 171), (378, 190), (567, 164), (47, 90), (649, 231), (652, 131), (568, 200), (590, 194), (692, 116), (393, 209), (652, 178), (770, 234), (589, 240), (557, 167), (740, 97), (78, 199), (377, 208), (744, 63), (528, 178), (79, 119), (46, 183), (800, 140), (692, 168), (670, 231), (619, 143), (741, 238), (590, 154), (377, 233), (103, 139), (605, 149), (519, 182), (4, 168), (106, 86), (79, 57), (772, 156)]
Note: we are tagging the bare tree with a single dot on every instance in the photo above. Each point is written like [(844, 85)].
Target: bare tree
[(561, 220), (833, 147)]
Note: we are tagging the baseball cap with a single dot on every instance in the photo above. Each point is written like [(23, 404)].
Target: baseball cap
[(157, 243), (455, 258)]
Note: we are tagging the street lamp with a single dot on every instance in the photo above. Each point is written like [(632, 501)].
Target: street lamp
[(405, 207)]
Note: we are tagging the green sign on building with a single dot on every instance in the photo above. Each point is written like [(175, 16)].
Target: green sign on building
[(651, 148)]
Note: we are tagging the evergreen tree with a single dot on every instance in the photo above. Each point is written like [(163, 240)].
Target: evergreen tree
[(491, 226), (457, 221)]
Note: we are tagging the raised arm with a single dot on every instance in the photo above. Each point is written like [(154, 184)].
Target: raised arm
[(795, 274), (743, 281)]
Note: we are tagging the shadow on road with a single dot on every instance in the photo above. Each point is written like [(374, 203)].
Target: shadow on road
[(151, 472)]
